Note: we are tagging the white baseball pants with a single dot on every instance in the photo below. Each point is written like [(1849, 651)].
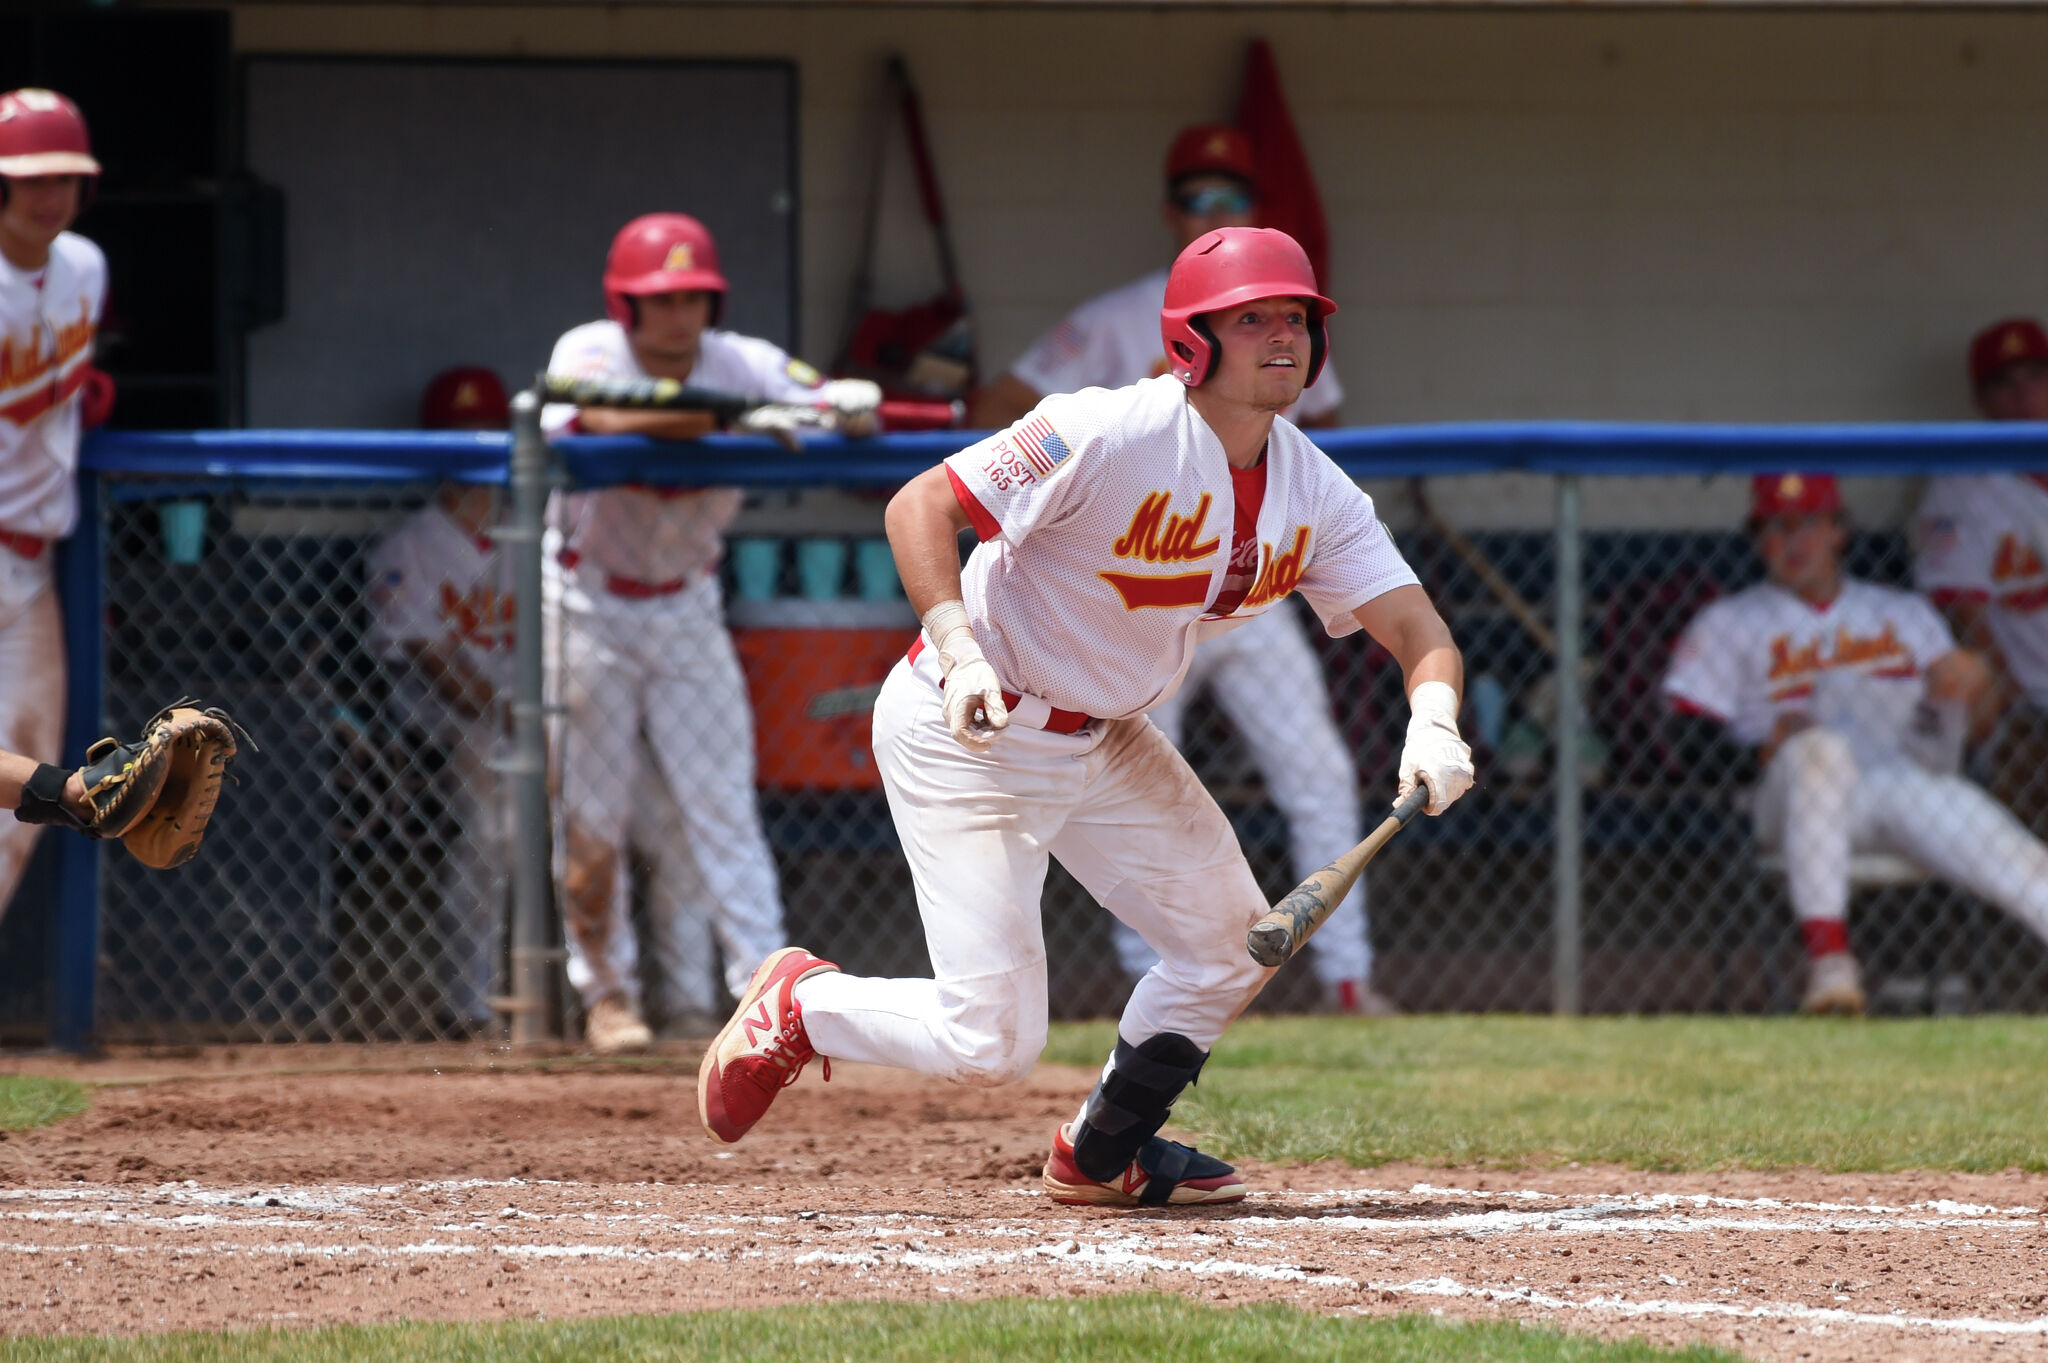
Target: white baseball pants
[(1121, 810), (1269, 683), (1818, 805), (657, 680), (32, 698)]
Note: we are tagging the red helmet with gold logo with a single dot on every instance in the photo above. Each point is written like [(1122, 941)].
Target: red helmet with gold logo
[(661, 253)]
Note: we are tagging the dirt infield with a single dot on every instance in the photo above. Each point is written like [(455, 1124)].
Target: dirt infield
[(261, 1186)]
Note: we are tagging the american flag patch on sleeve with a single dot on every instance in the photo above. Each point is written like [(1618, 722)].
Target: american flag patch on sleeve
[(1040, 445)]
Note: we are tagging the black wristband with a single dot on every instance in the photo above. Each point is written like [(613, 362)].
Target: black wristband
[(42, 799)]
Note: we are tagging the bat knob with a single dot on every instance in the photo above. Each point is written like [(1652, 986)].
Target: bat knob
[(1269, 943)]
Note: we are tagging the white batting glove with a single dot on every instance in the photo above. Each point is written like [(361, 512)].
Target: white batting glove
[(975, 711), (780, 420), (1434, 750), (855, 405)]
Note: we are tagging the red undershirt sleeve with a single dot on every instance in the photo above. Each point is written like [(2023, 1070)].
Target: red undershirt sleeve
[(985, 527)]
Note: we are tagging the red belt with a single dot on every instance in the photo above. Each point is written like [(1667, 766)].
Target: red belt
[(641, 591), (28, 546), (1057, 721)]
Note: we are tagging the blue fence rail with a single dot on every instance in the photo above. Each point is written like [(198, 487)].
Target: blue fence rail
[(216, 458)]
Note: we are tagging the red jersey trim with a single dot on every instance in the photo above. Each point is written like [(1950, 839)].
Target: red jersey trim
[(1685, 706), (985, 526), (1953, 596)]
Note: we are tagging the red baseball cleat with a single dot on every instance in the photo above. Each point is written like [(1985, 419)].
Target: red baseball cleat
[(1165, 1173), (760, 1051)]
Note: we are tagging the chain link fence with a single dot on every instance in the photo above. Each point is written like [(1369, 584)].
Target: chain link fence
[(356, 884)]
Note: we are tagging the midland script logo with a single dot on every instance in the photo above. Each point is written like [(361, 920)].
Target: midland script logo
[(1878, 655), (1158, 535), (23, 365), (2017, 561), (1283, 572)]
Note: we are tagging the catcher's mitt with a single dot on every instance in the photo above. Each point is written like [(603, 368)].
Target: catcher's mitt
[(155, 794)]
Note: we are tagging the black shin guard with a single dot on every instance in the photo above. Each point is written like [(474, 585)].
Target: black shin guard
[(1132, 1100)]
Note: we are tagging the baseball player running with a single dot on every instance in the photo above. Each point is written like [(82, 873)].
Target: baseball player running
[(649, 670), (1982, 542), (442, 618), (1110, 524), (53, 285), (1113, 340), (1853, 696)]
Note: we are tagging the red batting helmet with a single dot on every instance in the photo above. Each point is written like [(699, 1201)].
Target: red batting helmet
[(2005, 343), (466, 398), (42, 133), (1793, 494), (660, 253), (1223, 268)]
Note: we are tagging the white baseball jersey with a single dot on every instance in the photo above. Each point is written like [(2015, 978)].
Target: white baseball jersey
[(48, 318), (1986, 538), (1106, 518), (1856, 665), (1113, 339), (663, 535), (430, 582)]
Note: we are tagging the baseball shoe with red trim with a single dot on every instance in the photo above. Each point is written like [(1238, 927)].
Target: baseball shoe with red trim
[(1165, 1173), (761, 1050)]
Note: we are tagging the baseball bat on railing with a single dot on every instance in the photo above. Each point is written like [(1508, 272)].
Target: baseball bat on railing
[(670, 395)]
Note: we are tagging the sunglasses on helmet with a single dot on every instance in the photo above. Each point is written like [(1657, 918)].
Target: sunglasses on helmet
[(1213, 199)]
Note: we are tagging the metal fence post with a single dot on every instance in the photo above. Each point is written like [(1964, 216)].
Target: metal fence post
[(532, 877), (1568, 862)]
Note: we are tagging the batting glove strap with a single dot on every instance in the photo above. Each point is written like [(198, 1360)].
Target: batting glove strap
[(42, 801)]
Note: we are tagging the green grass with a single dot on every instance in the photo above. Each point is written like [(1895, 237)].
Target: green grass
[(1138, 1326), (27, 1100), (1652, 1093)]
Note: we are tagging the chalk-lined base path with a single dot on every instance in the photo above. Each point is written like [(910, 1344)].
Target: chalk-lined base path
[(242, 1199)]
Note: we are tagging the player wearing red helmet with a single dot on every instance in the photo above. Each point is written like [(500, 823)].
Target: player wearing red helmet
[(53, 286), (1301, 754), (649, 671), (1118, 528)]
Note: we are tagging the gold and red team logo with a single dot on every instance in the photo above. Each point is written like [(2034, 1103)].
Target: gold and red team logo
[(26, 369), (1158, 534), (679, 258), (1795, 665)]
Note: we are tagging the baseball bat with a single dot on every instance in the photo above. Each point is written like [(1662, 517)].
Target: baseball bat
[(669, 395), (1277, 936), (664, 395)]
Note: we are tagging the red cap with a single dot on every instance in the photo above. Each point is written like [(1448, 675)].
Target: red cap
[(465, 398), (2004, 343), (1223, 268), (1210, 149), (1793, 494), (42, 133), (661, 253)]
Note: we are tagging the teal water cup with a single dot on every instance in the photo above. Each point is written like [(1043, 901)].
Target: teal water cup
[(184, 527), (756, 566), (874, 571), (820, 568)]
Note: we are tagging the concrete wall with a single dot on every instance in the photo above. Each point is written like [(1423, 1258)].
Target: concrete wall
[(1706, 214)]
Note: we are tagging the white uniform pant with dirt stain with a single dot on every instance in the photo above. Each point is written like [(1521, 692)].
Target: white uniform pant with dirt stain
[(32, 694), (1121, 810), (1819, 805), (1268, 682), (657, 680)]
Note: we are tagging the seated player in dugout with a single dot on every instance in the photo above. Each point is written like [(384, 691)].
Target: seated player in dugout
[(1015, 729), (1852, 699), (442, 622), (649, 673), (1981, 552), (1302, 757)]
